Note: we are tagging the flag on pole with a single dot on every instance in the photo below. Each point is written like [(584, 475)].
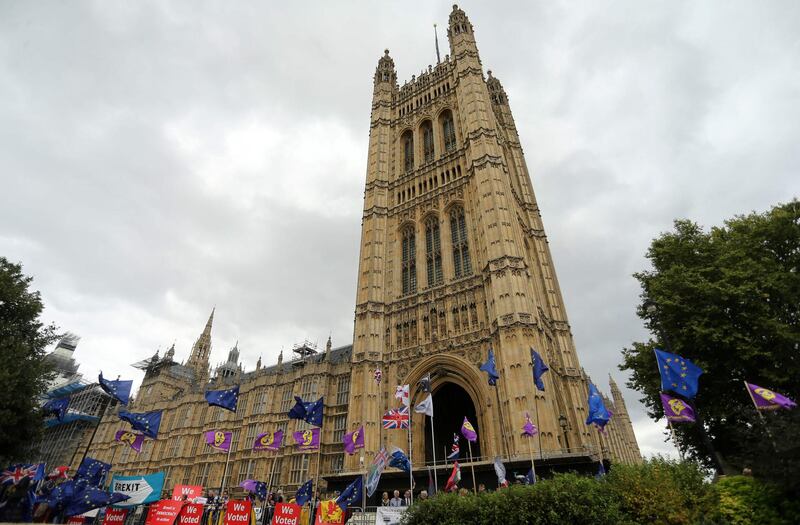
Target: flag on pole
[(678, 375), (353, 440), (119, 390), (490, 368), (309, 412), (401, 393), (431, 484), (259, 488), (16, 473), (398, 459), (269, 441), (219, 439), (303, 494), (57, 407), (455, 450), (539, 368), (61, 472), (145, 422), (765, 399), (352, 494), (307, 439), (132, 439), (529, 429), (676, 410), (378, 375), (500, 470), (425, 407), (601, 471), (425, 383), (598, 414), (396, 418), (92, 470), (468, 431), (454, 479), (375, 471), (227, 398)]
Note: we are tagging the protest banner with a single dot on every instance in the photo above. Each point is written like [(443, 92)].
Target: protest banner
[(190, 514), (389, 515), (163, 512), (75, 520), (115, 516), (237, 512), (190, 491), (329, 513), (139, 489), (286, 514)]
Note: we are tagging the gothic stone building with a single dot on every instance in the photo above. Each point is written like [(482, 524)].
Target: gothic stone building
[(454, 260)]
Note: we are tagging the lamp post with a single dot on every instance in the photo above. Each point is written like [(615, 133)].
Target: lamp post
[(562, 421)]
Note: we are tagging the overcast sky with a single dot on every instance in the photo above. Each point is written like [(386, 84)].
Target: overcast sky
[(161, 158)]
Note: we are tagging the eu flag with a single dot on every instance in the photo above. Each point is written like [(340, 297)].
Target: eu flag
[(539, 368), (490, 368), (58, 407), (145, 422), (224, 398), (352, 494), (119, 390), (598, 413), (88, 497), (92, 470), (678, 375), (398, 459), (303, 494), (308, 412)]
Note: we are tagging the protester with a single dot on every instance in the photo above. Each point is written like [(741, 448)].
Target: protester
[(407, 498), (396, 500), (385, 500), (481, 488), (463, 492), (423, 495)]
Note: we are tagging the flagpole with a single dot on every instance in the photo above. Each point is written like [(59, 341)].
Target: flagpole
[(674, 439), (433, 449), (530, 451), (502, 430), (761, 416), (94, 432), (410, 464), (225, 471), (316, 482), (472, 466)]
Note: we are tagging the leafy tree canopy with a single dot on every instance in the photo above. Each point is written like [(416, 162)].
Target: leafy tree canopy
[(729, 300), (23, 370)]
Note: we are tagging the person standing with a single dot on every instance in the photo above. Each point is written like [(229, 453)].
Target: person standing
[(396, 500)]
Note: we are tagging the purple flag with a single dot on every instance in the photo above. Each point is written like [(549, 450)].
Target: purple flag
[(268, 441), (219, 439), (353, 440), (676, 410), (132, 439), (307, 439), (468, 431), (765, 399), (529, 429)]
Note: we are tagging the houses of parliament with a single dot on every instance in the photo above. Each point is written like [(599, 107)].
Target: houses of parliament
[(454, 260)]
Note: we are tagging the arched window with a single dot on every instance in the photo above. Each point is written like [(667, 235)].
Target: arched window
[(409, 259), (448, 131), (408, 151), (458, 234), (427, 140), (433, 251)]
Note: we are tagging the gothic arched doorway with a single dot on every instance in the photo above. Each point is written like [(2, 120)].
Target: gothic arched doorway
[(450, 404)]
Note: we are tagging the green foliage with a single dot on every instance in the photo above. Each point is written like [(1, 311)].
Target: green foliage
[(658, 492), (729, 300), (23, 371)]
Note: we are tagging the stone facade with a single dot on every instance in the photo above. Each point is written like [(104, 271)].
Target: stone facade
[(454, 259)]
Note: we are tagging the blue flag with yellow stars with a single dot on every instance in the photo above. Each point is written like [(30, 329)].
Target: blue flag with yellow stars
[(398, 459), (539, 368), (57, 407), (309, 412), (86, 497), (490, 368), (598, 413), (145, 422), (303, 494), (226, 399), (352, 494), (678, 375), (119, 390), (92, 470)]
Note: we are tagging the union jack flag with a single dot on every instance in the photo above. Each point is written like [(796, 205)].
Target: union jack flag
[(16, 473), (378, 375), (455, 450), (396, 418)]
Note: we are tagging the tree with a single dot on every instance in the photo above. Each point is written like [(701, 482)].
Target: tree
[(23, 370), (729, 300)]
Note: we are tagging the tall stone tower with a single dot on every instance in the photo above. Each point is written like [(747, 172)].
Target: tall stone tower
[(454, 260)]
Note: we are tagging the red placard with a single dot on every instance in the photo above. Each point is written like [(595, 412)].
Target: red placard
[(190, 491), (163, 512), (190, 514), (237, 512), (115, 516), (329, 513), (75, 520), (286, 514)]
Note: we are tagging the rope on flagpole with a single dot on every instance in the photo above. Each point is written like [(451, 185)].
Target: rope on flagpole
[(225, 471), (316, 492), (674, 439), (530, 451), (472, 466)]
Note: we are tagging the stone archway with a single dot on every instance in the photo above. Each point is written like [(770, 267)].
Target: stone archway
[(451, 404)]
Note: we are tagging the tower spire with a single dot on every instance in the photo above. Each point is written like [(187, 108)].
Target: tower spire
[(198, 359), (436, 39)]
